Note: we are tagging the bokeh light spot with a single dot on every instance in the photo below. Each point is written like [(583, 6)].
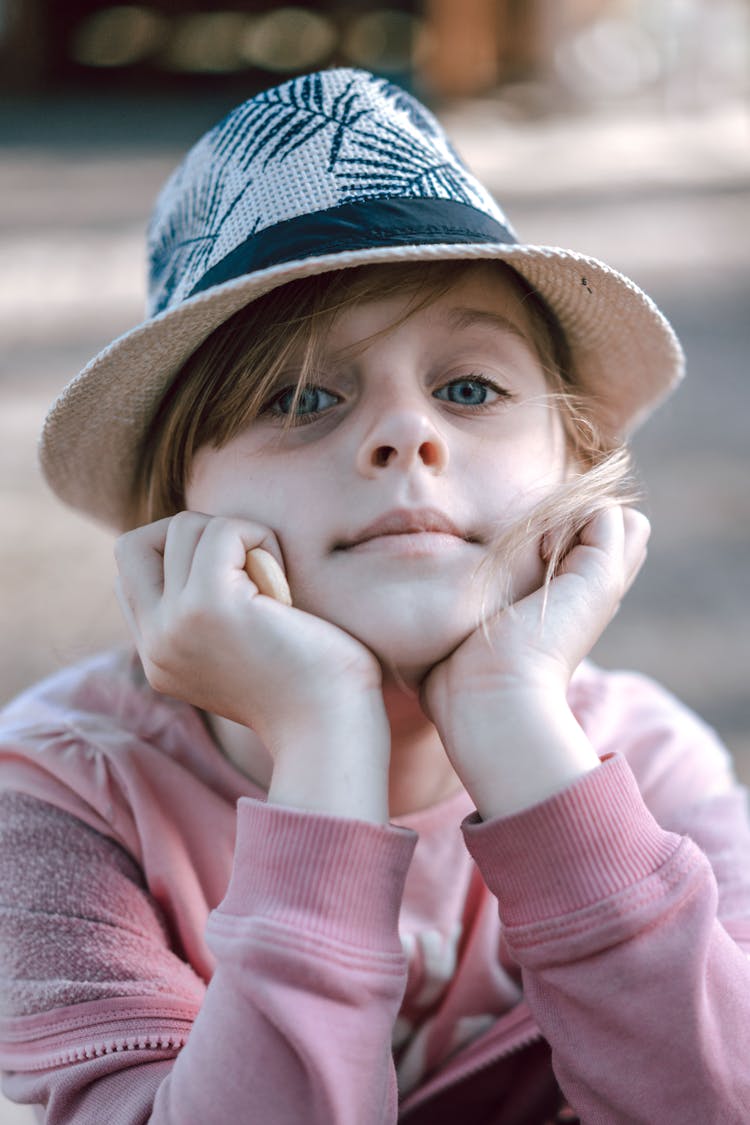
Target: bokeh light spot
[(119, 36), (289, 39)]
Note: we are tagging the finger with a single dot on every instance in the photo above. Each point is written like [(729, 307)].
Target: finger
[(581, 600), (605, 531), (598, 554), (637, 530), (126, 610), (265, 572), (140, 561), (224, 546), (183, 535), (621, 535), (611, 551)]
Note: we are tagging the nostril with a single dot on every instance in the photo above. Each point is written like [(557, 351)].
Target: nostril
[(429, 453), (382, 454)]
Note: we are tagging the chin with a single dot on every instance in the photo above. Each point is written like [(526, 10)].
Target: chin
[(406, 654)]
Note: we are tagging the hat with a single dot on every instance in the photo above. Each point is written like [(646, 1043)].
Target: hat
[(327, 171)]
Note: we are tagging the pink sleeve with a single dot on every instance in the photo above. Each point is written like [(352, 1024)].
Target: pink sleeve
[(109, 1024), (630, 973)]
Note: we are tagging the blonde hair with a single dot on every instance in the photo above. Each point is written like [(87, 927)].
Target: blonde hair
[(226, 382)]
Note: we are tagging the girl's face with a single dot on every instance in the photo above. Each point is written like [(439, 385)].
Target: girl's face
[(418, 444)]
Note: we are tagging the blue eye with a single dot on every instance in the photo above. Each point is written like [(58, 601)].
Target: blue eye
[(309, 403), (470, 392)]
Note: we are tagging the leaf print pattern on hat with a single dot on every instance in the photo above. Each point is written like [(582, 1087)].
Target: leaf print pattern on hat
[(314, 143)]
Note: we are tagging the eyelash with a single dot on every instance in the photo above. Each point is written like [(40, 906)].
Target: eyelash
[(313, 415)]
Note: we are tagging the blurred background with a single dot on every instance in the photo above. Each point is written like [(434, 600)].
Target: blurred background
[(617, 127)]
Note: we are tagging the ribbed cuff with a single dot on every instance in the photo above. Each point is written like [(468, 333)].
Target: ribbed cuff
[(337, 877), (581, 846)]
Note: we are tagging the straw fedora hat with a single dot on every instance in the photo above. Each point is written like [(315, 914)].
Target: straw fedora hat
[(328, 171)]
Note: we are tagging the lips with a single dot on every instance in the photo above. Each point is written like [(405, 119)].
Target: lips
[(405, 522)]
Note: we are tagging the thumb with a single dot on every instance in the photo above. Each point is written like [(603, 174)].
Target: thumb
[(263, 569)]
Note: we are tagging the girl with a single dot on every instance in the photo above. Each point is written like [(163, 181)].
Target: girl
[(360, 835)]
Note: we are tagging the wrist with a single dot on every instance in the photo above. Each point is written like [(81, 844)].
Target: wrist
[(518, 748), (336, 765)]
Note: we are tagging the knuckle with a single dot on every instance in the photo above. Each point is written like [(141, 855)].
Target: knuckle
[(153, 649), (157, 677), (184, 520), (123, 545), (157, 660), (161, 663), (174, 650), (637, 523), (221, 526), (124, 594)]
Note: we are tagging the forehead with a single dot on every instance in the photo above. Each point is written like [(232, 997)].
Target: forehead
[(482, 300)]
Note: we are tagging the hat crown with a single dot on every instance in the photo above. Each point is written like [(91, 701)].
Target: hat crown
[(313, 144)]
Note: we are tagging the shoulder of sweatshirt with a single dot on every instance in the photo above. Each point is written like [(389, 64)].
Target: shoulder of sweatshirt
[(91, 699), (677, 759), (96, 741)]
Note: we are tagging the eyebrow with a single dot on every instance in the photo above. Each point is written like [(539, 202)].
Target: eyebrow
[(465, 317), (460, 317)]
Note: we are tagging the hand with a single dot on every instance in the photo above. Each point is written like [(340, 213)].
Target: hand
[(207, 634), (499, 699)]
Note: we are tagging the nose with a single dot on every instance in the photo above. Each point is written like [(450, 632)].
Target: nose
[(402, 437)]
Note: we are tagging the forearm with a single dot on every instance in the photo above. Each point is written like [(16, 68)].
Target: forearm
[(309, 977), (614, 924)]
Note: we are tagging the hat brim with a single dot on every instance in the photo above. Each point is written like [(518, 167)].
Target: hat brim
[(626, 358)]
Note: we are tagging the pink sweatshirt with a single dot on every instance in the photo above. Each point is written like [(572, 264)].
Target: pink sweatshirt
[(174, 950)]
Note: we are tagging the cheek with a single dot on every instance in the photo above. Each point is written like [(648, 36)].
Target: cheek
[(510, 490), (212, 481), (521, 483), (527, 449), (227, 482)]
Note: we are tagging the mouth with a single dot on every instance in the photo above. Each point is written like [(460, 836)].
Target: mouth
[(408, 530)]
